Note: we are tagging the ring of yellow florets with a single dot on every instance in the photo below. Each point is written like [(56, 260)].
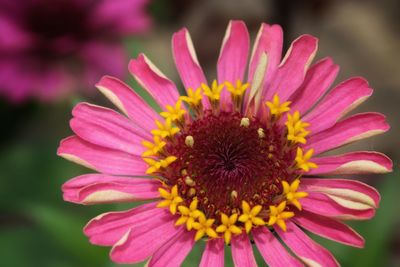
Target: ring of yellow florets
[(181, 193)]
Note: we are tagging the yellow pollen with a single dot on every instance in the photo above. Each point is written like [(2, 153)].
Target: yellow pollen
[(155, 165), (165, 130), (249, 216), (245, 122), (276, 108), (171, 199), (214, 92), (192, 192), (296, 128), (203, 227), (228, 226), (302, 160), (189, 181), (261, 133), (188, 215), (193, 98), (291, 194), (238, 89), (189, 141), (234, 194), (153, 148), (174, 113), (278, 215)]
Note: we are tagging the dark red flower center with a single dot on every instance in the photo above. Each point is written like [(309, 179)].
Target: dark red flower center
[(229, 162)]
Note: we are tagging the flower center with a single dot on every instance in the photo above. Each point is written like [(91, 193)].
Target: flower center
[(223, 172), (229, 162)]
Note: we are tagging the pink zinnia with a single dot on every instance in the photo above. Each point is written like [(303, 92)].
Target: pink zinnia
[(50, 46), (233, 161)]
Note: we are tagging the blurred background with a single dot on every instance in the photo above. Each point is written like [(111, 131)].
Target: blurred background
[(53, 51)]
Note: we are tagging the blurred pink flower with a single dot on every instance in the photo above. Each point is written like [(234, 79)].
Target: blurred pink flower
[(241, 160), (50, 46)]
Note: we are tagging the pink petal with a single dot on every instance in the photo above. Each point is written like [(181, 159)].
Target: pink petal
[(291, 72), (105, 127), (186, 61), (174, 251), (99, 188), (232, 59), (341, 100), (350, 190), (99, 158), (154, 81), (128, 102), (142, 241), (269, 40), (317, 81), (321, 204), (357, 127), (353, 163), (311, 253), (213, 254), (329, 228), (242, 251), (274, 254), (106, 229)]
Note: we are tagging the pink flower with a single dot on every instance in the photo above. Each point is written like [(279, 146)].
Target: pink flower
[(233, 161), (48, 47)]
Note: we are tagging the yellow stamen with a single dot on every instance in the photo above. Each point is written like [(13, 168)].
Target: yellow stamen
[(278, 215), (302, 160), (249, 216), (244, 122), (214, 92), (193, 98), (171, 199), (238, 90), (165, 130), (276, 108), (188, 215), (228, 226), (153, 148), (203, 227), (174, 113), (296, 128), (291, 194), (155, 165), (261, 132), (189, 141)]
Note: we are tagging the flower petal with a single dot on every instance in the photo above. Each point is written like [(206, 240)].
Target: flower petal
[(310, 252), (213, 254), (173, 252), (293, 68), (106, 229), (353, 163), (142, 241), (99, 188), (105, 127), (357, 127), (272, 250), (186, 62), (329, 228), (324, 205), (348, 193), (154, 81), (131, 104), (233, 56), (341, 100), (101, 159), (242, 251), (269, 40), (317, 81)]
